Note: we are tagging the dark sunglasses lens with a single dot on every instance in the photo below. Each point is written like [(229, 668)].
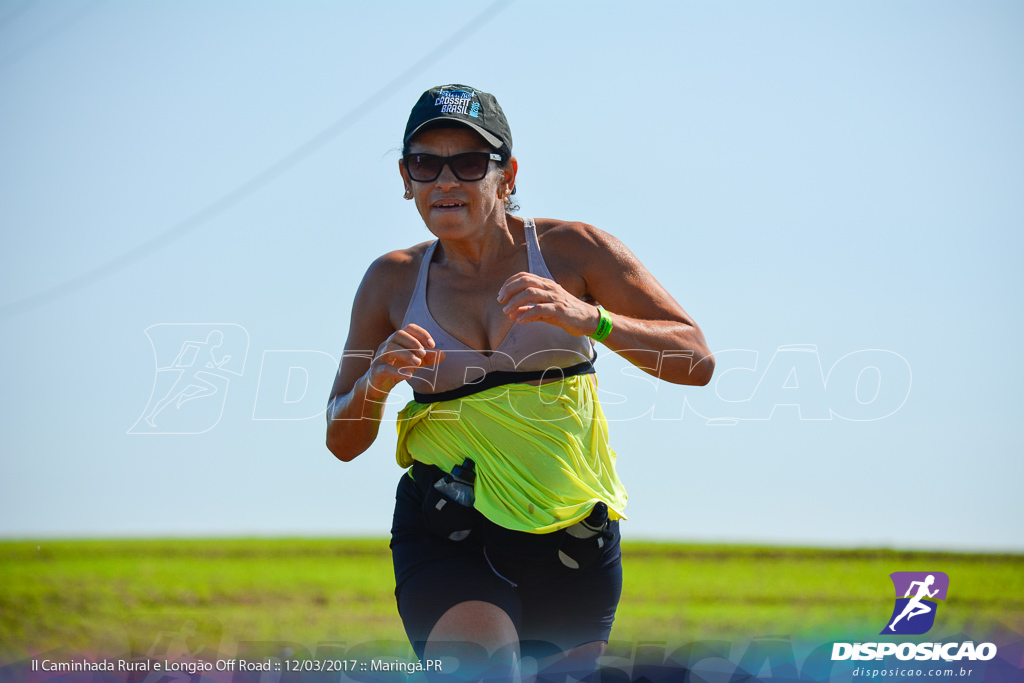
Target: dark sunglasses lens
[(426, 168), (471, 166), (423, 167)]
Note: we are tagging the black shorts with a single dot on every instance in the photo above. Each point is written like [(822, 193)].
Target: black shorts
[(554, 608)]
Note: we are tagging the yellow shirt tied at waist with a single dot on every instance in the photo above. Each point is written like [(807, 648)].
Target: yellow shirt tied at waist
[(541, 452)]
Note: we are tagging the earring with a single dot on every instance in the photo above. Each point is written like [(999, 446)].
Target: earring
[(408, 193)]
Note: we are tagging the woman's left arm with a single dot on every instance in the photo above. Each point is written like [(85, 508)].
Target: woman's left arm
[(649, 328)]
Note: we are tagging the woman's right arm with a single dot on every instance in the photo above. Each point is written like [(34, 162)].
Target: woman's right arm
[(377, 357)]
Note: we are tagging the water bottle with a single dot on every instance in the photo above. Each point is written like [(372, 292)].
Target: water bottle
[(585, 540), (452, 514)]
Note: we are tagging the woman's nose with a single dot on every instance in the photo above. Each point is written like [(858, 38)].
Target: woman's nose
[(446, 179)]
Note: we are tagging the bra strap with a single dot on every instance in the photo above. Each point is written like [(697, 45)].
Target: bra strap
[(418, 299)]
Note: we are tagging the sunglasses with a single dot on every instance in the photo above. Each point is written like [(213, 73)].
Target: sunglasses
[(425, 168)]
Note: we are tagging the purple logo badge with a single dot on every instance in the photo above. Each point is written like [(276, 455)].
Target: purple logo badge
[(916, 593)]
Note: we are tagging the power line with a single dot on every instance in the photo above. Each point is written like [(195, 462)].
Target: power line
[(13, 14), (48, 34), (258, 181)]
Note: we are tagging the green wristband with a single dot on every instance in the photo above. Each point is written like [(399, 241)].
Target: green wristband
[(604, 326)]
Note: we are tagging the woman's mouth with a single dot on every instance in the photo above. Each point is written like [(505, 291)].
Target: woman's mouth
[(448, 205)]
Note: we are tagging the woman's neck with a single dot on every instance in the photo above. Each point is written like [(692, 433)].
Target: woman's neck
[(477, 253)]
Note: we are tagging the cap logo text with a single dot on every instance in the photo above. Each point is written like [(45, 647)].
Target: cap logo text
[(457, 102)]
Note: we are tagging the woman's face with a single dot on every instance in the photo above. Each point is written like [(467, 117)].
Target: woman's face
[(453, 208)]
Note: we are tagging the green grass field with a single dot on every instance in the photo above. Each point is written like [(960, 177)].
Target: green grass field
[(108, 596)]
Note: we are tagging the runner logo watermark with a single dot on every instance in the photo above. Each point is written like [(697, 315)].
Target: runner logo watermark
[(914, 612), (194, 366)]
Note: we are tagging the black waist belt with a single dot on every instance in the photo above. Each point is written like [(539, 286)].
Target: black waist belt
[(500, 377)]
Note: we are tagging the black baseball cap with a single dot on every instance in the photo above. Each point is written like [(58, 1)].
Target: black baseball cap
[(461, 104)]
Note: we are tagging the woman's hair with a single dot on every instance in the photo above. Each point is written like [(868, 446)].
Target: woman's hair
[(510, 204)]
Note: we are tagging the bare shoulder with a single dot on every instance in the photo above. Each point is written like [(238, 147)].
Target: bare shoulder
[(602, 269), (571, 234), (390, 279), (395, 263), (395, 269), (577, 252), (581, 243)]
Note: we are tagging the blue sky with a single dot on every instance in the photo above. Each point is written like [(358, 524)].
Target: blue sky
[(832, 190)]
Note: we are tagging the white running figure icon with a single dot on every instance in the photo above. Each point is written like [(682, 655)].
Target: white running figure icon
[(186, 388), (915, 606)]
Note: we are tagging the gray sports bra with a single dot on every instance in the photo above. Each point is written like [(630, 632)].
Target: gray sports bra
[(534, 350)]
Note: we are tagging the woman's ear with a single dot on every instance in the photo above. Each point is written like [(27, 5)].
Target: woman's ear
[(509, 181), (405, 180)]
